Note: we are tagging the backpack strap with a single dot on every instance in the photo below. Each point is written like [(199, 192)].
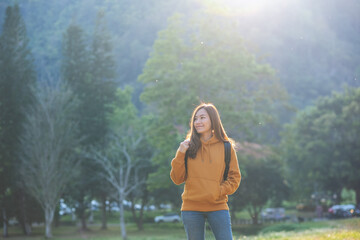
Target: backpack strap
[(227, 147), (186, 158)]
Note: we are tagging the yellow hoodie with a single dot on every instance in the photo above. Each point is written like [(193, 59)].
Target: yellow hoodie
[(205, 189)]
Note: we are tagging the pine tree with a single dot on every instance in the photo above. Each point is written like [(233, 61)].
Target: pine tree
[(103, 74), (90, 72), (16, 78), (76, 73)]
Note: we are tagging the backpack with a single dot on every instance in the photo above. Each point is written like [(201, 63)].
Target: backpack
[(227, 147)]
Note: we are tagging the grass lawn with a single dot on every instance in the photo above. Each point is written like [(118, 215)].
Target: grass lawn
[(348, 229)]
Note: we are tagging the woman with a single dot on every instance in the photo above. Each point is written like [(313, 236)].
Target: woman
[(205, 192)]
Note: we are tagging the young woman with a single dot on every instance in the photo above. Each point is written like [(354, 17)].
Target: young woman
[(205, 192)]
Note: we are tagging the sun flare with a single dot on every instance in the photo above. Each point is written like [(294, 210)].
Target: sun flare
[(242, 7)]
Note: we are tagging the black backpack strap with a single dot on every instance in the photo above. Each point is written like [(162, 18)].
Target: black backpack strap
[(227, 147), (186, 158)]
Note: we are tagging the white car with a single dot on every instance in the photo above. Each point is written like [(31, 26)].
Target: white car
[(168, 217), (273, 214), (341, 211)]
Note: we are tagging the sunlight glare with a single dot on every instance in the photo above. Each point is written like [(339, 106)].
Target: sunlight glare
[(243, 7)]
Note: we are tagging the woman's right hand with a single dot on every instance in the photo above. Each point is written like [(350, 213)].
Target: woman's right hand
[(184, 146)]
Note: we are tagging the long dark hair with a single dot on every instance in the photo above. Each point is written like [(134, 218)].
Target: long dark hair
[(216, 127)]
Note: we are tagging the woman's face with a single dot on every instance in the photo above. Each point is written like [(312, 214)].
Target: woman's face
[(202, 122)]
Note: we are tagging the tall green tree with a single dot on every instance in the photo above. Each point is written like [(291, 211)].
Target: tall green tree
[(263, 180), (16, 78), (76, 73), (102, 66), (322, 145), (205, 59), (88, 67)]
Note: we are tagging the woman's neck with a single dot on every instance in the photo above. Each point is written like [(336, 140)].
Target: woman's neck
[(206, 136)]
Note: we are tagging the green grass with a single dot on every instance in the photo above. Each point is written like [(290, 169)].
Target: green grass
[(348, 229), (287, 227)]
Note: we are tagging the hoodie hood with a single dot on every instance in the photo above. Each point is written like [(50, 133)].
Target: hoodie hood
[(206, 148)]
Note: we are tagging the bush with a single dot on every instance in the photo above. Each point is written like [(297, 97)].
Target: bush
[(305, 207)]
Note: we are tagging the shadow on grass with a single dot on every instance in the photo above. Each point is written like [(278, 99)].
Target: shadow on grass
[(248, 229)]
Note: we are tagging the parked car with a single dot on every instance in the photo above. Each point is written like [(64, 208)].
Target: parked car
[(64, 209), (168, 217), (356, 212), (273, 214), (341, 211)]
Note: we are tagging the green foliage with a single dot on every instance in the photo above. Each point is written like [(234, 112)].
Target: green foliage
[(17, 76), (322, 147), (303, 40), (90, 73), (204, 59), (129, 126), (123, 111), (262, 181), (348, 196)]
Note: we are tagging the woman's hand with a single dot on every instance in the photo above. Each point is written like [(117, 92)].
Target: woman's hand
[(184, 146)]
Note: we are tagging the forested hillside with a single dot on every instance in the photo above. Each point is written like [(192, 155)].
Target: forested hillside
[(313, 46)]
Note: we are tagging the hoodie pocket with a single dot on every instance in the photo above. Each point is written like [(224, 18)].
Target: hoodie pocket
[(201, 190)]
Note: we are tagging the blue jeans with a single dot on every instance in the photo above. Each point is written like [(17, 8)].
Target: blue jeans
[(219, 221)]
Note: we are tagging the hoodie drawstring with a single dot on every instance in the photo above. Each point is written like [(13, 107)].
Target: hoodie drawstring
[(202, 152)]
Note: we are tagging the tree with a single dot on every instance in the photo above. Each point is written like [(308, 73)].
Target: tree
[(76, 73), (16, 78), (103, 75), (262, 179), (127, 152), (206, 60), (90, 73), (322, 145), (48, 157)]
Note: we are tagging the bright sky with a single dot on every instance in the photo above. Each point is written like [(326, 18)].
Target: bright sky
[(244, 7)]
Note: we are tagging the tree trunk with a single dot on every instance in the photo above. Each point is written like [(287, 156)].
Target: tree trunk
[(255, 218), (141, 217), (139, 220), (254, 213), (82, 215), (103, 212), (83, 222), (232, 213), (132, 200), (49, 216), (56, 217), (25, 225), (122, 219), (357, 194), (27, 228), (5, 224)]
